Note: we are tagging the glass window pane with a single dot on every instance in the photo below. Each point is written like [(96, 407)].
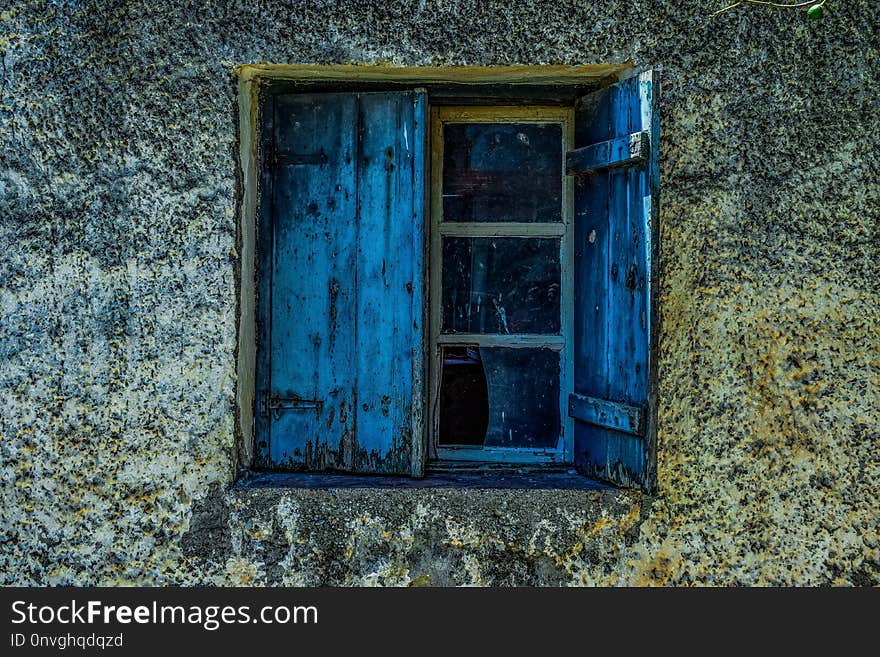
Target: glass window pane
[(502, 172), (499, 397), (502, 285)]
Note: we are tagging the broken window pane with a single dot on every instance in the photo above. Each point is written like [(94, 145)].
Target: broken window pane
[(464, 397), (499, 397), (502, 285), (502, 172)]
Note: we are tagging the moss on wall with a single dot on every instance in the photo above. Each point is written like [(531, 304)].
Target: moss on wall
[(117, 220)]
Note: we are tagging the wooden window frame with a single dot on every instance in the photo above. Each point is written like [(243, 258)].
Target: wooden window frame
[(564, 231), (477, 86)]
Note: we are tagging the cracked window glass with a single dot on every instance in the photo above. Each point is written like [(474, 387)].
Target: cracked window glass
[(500, 285)]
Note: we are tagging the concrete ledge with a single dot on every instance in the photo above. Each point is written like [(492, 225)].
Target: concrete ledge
[(314, 531)]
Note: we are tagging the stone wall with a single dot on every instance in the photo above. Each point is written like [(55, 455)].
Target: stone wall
[(117, 290)]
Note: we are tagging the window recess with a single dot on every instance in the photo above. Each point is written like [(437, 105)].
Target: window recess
[(452, 276)]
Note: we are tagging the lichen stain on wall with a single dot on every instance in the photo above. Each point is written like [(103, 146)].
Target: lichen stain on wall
[(426, 537), (117, 289)]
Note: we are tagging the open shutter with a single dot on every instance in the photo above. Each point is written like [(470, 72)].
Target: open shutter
[(339, 373), (616, 203)]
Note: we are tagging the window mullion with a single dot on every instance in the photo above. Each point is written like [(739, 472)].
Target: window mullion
[(502, 229), (556, 342)]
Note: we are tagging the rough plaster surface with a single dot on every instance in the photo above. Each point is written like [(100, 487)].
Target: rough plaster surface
[(118, 330)]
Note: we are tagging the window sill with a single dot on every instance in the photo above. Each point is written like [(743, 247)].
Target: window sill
[(339, 527), (531, 479)]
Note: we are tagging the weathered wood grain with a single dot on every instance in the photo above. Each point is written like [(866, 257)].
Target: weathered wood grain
[(313, 294), (341, 306), (628, 150), (614, 241), (389, 274), (608, 414)]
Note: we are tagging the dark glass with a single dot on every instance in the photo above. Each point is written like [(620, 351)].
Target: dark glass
[(502, 172), (502, 285), (499, 397)]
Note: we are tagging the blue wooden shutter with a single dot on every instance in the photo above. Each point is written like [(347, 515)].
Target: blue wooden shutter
[(340, 353), (616, 204)]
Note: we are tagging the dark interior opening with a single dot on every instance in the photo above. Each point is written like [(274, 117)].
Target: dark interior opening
[(464, 397), (449, 93)]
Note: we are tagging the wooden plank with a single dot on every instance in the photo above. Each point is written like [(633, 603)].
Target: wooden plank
[(513, 75), (389, 274), (591, 243), (627, 341), (607, 414), (567, 295), (509, 94), (649, 96), (628, 150), (502, 229), (344, 243), (451, 93), (263, 273), (420, 310), (499, 454), (513, 341), (627, 344), (504, 114), (313, 285), (434, 280)]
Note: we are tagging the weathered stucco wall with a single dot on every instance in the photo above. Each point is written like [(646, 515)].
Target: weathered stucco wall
[(118, 297)]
